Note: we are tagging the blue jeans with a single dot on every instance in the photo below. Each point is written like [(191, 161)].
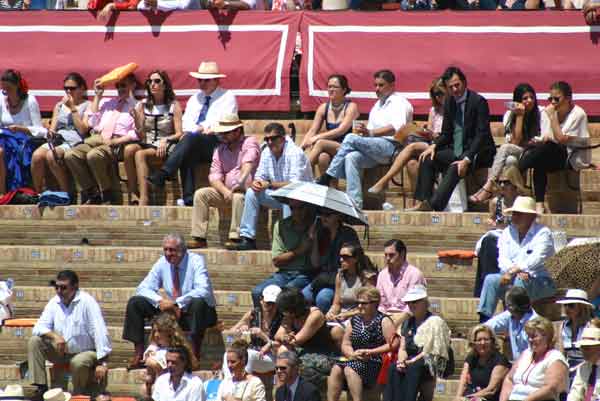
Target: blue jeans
[(356, 154), (283, 280), (323, 300), (252, 203), (492, 291)]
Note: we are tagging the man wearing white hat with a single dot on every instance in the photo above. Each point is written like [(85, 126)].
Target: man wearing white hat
[(586, 384), (231, 172), (523, 248), (202, 112)]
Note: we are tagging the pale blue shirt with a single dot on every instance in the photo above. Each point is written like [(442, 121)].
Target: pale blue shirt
[(530, 254), (505, 323), (291, 166), (81, 324), (193, 279)]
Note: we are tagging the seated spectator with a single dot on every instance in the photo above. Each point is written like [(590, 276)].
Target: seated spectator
[(511, 186), (578, 314), (484, 368), (281, 162), (19, 113), (356, 271), (241, 385), (165, 334), (329, 237), (293, 387), (158, 125), (67, 129), (15, 4), (541, 371), (168, 5), (512, 321), (464, 145), (591, 13), (586, 385), (291, 5), (408, 5), (564, 127), (303, 327), (374, 144), (231, 173), (423, 352), (178, 283), (395, 281), (291, 248), (235, 5), (71, 332), (178, 383), (262, 324), (523, 248), (106, 8), (112, 125), (521, 124), (338, 115), (419, 141), (368, 336), (203, 110)]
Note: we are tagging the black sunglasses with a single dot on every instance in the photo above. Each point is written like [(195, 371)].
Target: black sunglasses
[(280, 368), (70, 88), (504, 182), (571, 306), (346, 257), (364, 302), (438, 93), (554, 99), (269, 139), (60, 287), (156, 81)]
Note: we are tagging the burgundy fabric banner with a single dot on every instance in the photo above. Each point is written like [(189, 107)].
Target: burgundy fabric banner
[(496, 50), (254, 50)]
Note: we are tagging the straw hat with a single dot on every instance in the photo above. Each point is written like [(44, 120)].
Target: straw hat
[(575, 297), (227, 123), (523, 204), (208, 70), (12, 392), (589, 337), (415, 293), (56, 394)]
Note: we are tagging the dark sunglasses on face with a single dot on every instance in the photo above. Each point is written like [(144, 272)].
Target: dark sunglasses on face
[(281, 368), (553, 99), (438, 93), (504, 182), (364, 302), (70, 88), (60, 287), (269, 139), (570, 306), (200, 80), (346, 257), (156, 81)]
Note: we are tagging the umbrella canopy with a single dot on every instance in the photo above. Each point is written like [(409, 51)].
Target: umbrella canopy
[(322, 196), (575, 266)]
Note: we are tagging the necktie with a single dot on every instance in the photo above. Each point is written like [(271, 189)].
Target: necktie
[(458, 130), (203, 110), (591, 384), (288, 393), (176, 285)]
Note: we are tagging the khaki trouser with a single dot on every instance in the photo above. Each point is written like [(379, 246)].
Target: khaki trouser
[(82, 367), (398, 318), (91, 164), (208, 196)]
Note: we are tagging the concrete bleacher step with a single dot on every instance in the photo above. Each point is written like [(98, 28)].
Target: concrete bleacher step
[(110, 267)]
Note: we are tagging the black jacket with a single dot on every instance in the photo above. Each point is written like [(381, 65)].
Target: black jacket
[(305, 391)]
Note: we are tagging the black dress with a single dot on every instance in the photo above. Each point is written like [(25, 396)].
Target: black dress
[(481, 373)]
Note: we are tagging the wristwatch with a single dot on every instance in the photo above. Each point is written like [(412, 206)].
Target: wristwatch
[(269, 183)]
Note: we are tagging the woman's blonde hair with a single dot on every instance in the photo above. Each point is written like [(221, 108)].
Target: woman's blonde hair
[(371, 293), (436, 84), (542, 325), (167, 322), (473, 337), (240, 348)]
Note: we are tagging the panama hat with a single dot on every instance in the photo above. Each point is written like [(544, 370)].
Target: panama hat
[(415, 293), (56, 394), (575, 297), (589, 337), (207, 70), (523, 204), (12, 392), (227, 123)]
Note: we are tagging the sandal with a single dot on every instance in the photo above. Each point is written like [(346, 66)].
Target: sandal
[(481, 196)]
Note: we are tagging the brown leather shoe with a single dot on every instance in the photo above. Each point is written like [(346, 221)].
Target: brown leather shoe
[(197, 243), (135, 363)]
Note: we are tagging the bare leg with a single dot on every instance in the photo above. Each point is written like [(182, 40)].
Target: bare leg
[(129, 161), (2, 173), (334, 383), (484, 193), (323, 162), (59, 170), (38, 168), (316, 156), (355, 384), (142, 160), (409, 152), (337, 334)]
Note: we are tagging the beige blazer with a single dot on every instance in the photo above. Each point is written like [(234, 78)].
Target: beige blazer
[(580, 383)]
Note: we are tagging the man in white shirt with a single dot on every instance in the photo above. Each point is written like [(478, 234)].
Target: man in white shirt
[(523, 247), (72, 334), (178, 383), (202, 111), (373, 144), (281, 162)]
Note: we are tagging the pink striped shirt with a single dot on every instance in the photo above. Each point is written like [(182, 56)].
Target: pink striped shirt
[(392, 291), (226, 163)]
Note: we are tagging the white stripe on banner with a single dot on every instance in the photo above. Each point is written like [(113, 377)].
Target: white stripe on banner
[(284, 29), (436, 29)]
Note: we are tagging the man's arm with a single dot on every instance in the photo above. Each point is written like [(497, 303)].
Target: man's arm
[(541, 248), (281, 254), (482, 128), (202, 287), (149, 287), (99, 331), (499, 323)]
